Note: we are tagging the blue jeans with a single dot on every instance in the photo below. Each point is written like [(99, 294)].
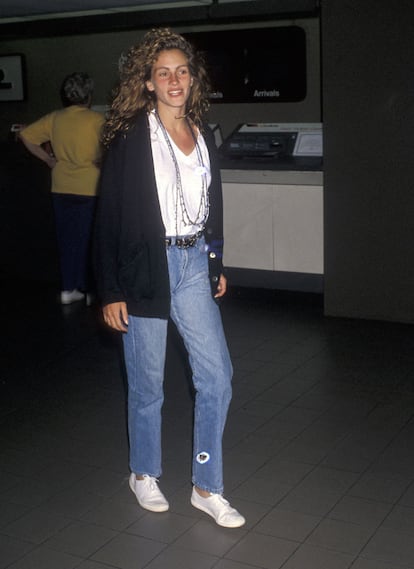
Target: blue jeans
[(198, 320)]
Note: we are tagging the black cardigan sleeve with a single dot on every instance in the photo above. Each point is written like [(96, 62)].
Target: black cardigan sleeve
[(107, 226), (214, 225)]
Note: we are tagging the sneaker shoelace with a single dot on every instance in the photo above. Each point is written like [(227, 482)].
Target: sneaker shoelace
[(226, 503), (152, 483), (222, 500)]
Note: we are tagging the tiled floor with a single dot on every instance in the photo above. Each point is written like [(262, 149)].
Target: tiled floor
[(318, 448)]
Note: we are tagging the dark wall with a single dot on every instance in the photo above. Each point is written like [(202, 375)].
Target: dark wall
[(368, 115), (27, 234)]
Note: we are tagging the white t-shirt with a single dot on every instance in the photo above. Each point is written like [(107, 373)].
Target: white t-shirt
[(193, 172)]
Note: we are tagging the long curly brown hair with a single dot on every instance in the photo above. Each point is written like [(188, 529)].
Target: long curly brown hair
[(132, 95)]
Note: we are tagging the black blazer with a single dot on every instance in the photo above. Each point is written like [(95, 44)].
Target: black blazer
[(129, 250)]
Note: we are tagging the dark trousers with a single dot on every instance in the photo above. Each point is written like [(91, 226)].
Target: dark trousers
[(74, 217)]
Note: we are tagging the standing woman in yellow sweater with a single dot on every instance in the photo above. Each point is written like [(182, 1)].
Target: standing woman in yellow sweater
[(74, 134)]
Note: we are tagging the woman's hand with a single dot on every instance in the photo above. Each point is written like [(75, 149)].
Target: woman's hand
[(38, 151), (221, 287), (51, 162), (116, 316)]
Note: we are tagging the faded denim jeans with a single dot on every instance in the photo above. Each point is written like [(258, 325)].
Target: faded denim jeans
[(198, 321)]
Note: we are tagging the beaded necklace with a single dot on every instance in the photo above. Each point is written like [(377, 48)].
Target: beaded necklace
[(204, 205)]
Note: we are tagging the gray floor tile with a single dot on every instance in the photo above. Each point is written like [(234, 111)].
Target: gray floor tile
[(102, 482), (10, 512), (400, 519), (91, 565), (19, 458), (36, 526), (240, 424), (29, 492), (312, 452), (206, 536), (287, 472), (95, 455), (367, 513), (114, 514), (317, 503), (286, 391), (370, 441), (333, 428), (362, 563), (261, 409), (166, 528), (63, 474), (247, 363), (73, 504), (331, 479), (385, 489), (310, 557), (346, 457), (263, 551), (12, 549), (228, 564), (7, 479), (81, 539), (352, 407), (290, 422), (407, 499), (293, 526), (263, 490), (313, 400), (390, 546), (46, 558), (340, 536), (264, 446), (239, 466), (128, 552), (179, 558)]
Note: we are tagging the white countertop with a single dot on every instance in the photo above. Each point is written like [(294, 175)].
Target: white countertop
[(284, 177)]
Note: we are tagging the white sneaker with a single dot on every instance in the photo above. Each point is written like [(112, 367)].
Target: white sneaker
[(148, 494), (219, 509), (69, 296), (90, 299)]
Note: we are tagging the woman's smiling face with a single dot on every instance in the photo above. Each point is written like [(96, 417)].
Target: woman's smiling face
[(171, 79)]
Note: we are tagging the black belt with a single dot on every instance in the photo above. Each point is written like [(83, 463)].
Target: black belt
[(183, 242)]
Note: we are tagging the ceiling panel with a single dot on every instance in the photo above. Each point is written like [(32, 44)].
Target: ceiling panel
[(41, 18), (31, 8)]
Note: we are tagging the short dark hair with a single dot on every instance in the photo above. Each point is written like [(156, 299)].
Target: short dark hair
[(76, 88)]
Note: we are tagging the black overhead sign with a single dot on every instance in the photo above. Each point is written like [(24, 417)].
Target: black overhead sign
[(255, 65)]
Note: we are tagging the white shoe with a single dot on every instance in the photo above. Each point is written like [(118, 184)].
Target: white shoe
[(219, 509), (69, 296), (148, 494), (90, 298)]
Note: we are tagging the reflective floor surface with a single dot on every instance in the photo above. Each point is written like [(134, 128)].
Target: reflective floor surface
[(318, 446)]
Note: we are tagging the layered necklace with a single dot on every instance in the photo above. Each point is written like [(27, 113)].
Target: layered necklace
[(180, 205)]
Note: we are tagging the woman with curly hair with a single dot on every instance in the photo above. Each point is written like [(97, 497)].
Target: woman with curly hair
[(159, 243)]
